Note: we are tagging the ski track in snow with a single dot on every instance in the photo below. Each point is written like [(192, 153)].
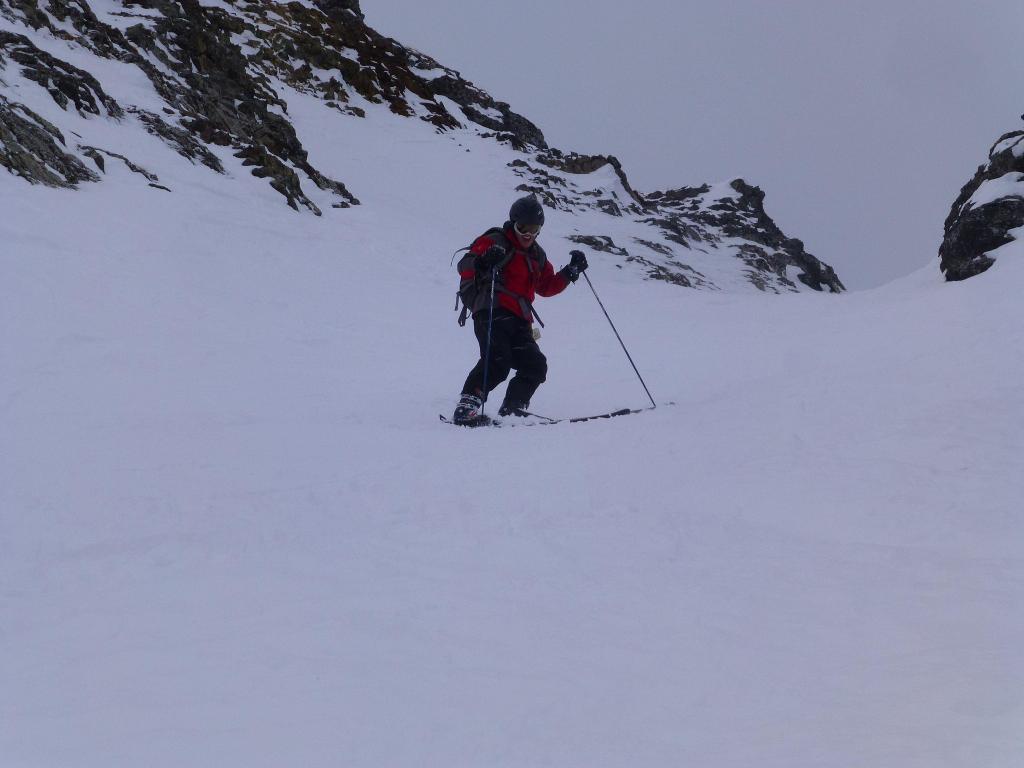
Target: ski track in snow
[(234, 533)]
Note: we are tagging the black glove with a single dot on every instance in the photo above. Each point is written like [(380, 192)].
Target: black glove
[(577, 264), (490, 258)]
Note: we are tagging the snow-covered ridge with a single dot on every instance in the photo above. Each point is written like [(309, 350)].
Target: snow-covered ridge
[(82, 84)]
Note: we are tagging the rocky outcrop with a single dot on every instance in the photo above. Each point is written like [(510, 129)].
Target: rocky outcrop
[(34, 149), (339, 8), (225, 73), (215, 68), (68, 85), (582, 164), (727, 219), (987, 210), (182, 141), (690, 214)]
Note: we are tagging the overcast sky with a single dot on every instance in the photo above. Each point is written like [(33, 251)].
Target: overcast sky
[(860, 120)]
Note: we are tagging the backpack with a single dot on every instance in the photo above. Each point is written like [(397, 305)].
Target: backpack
[(474, 292)]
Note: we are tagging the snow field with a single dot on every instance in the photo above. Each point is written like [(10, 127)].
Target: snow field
[(234, 533)]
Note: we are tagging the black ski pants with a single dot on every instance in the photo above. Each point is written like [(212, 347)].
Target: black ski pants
[(512, 346)]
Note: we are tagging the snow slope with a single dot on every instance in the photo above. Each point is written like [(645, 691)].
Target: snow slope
[(234, 533)]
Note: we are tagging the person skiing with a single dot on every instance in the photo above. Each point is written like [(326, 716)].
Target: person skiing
[(508, 265)]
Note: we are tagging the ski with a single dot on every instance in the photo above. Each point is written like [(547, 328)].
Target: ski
[(529, 414), (487, 421)]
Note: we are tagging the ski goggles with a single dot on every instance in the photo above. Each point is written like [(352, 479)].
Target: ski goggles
[(529, 230)]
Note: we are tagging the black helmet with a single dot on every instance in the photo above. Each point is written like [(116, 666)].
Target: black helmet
[(527, 210)]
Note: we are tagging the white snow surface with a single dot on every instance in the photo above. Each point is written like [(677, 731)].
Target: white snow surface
[(1007, 185), (234, 533), (1016, 141)]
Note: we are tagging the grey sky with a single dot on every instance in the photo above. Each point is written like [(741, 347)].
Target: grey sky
[(860, 120)]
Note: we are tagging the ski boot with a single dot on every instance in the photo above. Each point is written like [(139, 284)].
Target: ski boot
[(468, 412), (514, 408)]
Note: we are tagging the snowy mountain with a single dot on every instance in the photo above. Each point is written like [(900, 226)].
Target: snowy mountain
[(217, 83), (234, 533), (987, 211)]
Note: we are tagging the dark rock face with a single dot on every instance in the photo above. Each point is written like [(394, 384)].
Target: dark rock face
[(67, 85), (338, 8), (980, 221), (33, 149), (184, 143)]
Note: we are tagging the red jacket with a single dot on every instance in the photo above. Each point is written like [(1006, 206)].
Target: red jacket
[(525, 275)]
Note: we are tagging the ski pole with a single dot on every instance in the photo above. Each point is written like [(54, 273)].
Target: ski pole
[(653, 404), (487, 347)]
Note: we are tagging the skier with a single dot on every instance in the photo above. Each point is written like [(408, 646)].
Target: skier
[(520, 269)]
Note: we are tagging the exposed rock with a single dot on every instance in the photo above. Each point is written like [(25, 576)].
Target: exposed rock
[(671, 271), (981, 219), (188, 53), (97, 156), (727, 219), (223, 102), (694, 215), (31, 148), (582, 164), (219, 91), (544, 175), (339, 8), (65, 83), (184, 142), (677, 274), (600, 243), (664, 250)]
